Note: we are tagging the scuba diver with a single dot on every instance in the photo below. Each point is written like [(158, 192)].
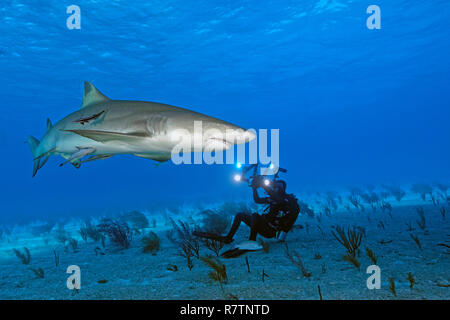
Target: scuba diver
[(281, 212)]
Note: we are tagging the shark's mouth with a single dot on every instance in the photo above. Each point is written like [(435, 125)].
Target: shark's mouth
[(216, 144)]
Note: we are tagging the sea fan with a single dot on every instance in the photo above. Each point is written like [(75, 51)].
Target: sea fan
[(118, 232), (25, 256), (350, 240), (151, 243), (219, 270)]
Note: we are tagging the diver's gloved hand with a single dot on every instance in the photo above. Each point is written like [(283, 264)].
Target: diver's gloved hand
[(256, 182)]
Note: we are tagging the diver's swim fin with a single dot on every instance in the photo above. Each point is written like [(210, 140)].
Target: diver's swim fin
[(234, 253), (241, 248), (212, 236)]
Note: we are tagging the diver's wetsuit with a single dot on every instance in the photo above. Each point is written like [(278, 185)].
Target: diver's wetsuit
[(282, 213)]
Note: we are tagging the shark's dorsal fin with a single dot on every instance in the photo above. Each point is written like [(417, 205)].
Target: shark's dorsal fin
[(49, 124), (92, 95)]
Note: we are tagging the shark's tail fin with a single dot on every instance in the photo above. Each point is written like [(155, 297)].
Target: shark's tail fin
[(38, 160)]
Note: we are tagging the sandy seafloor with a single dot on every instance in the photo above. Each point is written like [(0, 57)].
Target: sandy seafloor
[(130, 274)]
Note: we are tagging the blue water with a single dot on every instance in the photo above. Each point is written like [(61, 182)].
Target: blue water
[(354, 106)]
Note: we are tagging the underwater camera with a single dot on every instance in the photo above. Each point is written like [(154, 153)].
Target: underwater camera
[(255, 178)]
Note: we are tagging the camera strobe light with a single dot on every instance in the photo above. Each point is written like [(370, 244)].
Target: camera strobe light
[(238, 165), (237, 177), (266, 182)]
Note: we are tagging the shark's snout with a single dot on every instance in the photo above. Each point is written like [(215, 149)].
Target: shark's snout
[(224, 140), (238, 135)]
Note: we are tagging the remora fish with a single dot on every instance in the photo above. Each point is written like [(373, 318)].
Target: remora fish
[(105, 127)]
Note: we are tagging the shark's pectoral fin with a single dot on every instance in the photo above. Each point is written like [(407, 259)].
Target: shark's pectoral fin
[(160, 157), (105, 136), (75, 158)]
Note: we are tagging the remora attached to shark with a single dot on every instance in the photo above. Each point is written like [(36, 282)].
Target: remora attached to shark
[(105, 127)]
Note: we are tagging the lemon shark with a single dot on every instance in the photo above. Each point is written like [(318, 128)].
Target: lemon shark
[(105, 127)]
